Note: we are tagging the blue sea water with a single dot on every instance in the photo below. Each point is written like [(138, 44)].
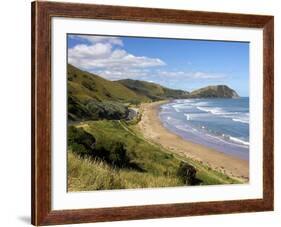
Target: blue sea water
[(221, 124)]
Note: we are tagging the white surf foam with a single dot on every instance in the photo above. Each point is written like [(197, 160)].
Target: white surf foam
[(241, 120), (212, 110), (187, 116), (234, 139)]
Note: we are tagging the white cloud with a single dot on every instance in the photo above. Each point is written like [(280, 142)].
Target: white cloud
[(190, 75), (96, 51), (158, 76), (104, 55), (99, 39), (123, 73)]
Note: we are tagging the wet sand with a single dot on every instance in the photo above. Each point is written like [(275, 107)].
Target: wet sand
[(154, 131)]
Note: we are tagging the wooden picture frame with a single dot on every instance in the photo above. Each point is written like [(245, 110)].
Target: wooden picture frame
[(42, 13)]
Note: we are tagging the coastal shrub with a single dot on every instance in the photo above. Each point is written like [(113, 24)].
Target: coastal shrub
[(118, 155), (84, 144), (80, 141), (107, 110), (76, 110), (95, 110), (114, 153), (187, 173)]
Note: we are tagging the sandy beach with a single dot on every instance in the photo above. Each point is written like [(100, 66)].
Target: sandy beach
[(153, 130)]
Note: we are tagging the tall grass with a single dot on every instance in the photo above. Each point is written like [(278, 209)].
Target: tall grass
[(85, 174)]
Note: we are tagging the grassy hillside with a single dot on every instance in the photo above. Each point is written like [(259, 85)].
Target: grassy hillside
[(92, 97), (87, 86), (86, 174), (153, 165), (153, 91)]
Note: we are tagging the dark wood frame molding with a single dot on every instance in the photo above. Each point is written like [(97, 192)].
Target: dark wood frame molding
[(42, 13)]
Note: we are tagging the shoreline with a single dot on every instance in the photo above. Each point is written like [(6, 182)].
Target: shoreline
[(153, 130)]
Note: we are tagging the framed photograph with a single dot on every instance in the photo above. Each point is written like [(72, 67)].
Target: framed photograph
[(142, 113)]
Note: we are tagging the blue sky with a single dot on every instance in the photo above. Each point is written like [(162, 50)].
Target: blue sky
[(174, 63)]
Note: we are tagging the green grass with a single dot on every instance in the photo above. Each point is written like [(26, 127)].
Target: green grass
[(86, 86), (152, 90), (148, 157), (85, 174), (93, 97), (159, 166)]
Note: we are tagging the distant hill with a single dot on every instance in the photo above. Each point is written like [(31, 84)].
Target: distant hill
[(218, 91), (153, 91)]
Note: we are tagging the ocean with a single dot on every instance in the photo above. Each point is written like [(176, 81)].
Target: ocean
[(221, 124)]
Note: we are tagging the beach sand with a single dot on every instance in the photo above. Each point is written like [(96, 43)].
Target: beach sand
[(153, 130)]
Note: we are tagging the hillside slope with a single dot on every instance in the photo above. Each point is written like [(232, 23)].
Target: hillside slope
[(157, 167), (93, 97), (153, 91), (87, 86)]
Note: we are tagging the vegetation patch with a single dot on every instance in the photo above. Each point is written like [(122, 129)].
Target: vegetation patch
[(121, 158), (84, 145)]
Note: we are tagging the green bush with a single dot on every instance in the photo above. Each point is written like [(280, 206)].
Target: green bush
[(118, 155), (95, 110), (187, 173), (114, 153), (76, 110), (107, 110), (84, 144), (80, 142)]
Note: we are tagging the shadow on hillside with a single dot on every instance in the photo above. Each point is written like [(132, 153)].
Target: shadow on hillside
[(196, 181), (136, 167)]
